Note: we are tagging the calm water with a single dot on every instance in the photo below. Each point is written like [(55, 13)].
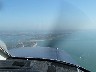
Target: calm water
[(80, 45)]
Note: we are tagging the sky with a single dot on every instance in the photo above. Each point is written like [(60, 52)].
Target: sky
[(47, 14)]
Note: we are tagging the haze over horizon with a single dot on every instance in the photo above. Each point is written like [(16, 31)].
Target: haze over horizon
[(47, 15)]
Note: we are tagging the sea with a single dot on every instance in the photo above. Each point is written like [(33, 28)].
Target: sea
[(80, 44)]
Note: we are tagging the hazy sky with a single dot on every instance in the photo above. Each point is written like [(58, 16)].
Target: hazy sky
[(47, 14)]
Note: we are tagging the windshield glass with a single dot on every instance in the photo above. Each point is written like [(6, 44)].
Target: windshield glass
[(65, 24)]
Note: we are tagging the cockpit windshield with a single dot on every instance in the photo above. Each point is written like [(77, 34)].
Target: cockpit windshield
[(67, 25)]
